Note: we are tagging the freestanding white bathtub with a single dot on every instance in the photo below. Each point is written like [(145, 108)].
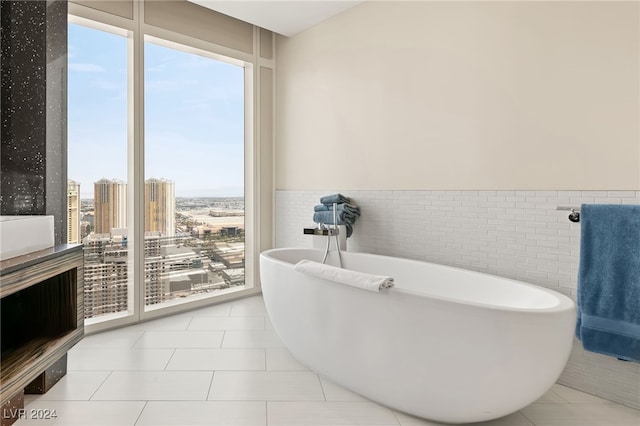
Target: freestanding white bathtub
[(445, 344)]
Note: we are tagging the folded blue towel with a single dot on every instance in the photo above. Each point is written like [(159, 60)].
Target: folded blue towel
[(334, 198), (344, 218), (349, 208), (609, 280)]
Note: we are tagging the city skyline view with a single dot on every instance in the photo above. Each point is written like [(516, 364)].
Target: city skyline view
[(193, 246), (194, 116), (193, 152)]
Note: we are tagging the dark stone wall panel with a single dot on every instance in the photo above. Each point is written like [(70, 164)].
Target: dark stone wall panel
[(33, 174), (23, 107)]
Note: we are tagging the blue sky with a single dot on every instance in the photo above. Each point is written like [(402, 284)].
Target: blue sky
[(194, 116)]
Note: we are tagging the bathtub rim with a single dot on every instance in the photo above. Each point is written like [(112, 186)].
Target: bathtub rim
[(564, 303)]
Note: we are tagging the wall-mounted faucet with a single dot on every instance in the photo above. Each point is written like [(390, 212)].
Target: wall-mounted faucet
[(321, 229), (329, 232)]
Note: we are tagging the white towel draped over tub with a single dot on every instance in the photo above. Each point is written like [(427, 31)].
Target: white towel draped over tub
[(344, 276)]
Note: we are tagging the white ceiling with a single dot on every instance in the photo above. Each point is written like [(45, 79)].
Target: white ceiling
[(286, 17)]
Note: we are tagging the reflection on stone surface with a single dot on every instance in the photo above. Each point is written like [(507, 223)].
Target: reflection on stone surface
[(26, 196)]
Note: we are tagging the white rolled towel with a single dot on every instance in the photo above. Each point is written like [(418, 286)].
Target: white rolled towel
[(344, 276)]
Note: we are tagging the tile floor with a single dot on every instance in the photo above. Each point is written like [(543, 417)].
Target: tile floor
[(224, 365)]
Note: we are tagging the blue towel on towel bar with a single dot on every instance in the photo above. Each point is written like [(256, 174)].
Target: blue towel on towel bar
[(609, 280)]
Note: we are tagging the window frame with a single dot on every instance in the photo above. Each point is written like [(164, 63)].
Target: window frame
[(137, 32)]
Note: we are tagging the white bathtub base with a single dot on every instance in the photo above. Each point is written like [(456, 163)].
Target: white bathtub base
[(433, 358)]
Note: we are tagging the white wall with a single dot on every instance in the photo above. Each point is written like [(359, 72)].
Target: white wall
[(462, 95)]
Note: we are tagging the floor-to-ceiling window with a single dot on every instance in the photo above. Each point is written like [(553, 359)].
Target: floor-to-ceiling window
[(97, 165), (158, 136), (194, 175)]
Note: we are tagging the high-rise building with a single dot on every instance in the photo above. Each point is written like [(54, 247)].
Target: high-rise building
[(160, 207), (73, 212), (110, 205), (172, 267), (105, 276)]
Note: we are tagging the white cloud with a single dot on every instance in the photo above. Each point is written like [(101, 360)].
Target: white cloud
[(86, 68)]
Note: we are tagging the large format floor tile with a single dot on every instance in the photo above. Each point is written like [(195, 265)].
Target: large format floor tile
[(218, 359), (581, 415), (224, 365), (573, 396), (328, 413), (222, 310), (82, 413), (281, 359), (93, 359), (204, 413), (334, 392), (155, 385), (266, 386), (117, 339), (75, 385), (171, 323), (252, 339), (249, 307), (180, 339), (227, 324)]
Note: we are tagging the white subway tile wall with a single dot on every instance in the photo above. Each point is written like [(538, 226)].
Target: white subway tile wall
[(514, 234)]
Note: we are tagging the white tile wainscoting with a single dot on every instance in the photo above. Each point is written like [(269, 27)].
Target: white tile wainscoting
[(514, 234), (225, 366)]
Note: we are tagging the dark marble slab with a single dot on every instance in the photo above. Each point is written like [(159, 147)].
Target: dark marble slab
[(33, 157)]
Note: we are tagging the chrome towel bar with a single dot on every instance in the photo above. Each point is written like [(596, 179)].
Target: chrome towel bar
[(574, 216)]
